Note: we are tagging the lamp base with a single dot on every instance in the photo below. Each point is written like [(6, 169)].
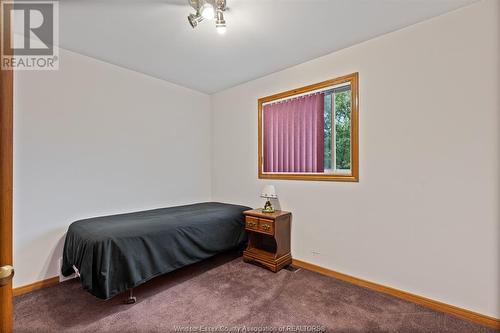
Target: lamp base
[(268, 207)]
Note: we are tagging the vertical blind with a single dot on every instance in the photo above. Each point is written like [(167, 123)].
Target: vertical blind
[(294, 134)]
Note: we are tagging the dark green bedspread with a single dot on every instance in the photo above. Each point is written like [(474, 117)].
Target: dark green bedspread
[(119, 252)]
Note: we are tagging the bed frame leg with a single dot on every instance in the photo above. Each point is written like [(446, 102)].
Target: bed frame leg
[(131, 298)]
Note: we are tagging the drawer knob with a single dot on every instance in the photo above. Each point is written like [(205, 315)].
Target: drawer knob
[(252, 224), (266, 227)]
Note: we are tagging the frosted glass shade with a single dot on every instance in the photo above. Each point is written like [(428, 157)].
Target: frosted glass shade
[(269, 192)]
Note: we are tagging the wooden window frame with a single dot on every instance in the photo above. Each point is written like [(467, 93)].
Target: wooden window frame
[(354, 175)]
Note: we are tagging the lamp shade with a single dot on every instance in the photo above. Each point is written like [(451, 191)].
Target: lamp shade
[(269, 192)]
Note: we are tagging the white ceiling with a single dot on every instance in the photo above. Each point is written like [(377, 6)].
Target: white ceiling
[(263, 36)]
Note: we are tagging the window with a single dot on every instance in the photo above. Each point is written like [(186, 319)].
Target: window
[(311, 132), (338, 129)]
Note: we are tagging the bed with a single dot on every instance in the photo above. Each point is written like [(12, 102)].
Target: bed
[(113, 254)]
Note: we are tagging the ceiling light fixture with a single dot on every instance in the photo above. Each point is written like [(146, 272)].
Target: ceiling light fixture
[(208, 10), (194, 19), (220, 23)]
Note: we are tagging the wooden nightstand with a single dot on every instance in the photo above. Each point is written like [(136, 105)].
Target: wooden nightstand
[(269, 238)]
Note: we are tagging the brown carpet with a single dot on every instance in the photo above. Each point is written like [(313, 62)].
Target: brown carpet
[(224, 292)]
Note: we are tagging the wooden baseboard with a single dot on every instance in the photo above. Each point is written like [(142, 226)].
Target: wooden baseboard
[(429, 303), (35, 286)]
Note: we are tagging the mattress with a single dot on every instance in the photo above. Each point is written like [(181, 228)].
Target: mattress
[(119, 252)]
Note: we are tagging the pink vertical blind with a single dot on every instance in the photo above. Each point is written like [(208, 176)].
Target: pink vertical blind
[(294, 134)]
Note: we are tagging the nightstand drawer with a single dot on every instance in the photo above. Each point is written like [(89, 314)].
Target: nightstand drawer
[(260, 225), (266, 226), (251, 223)]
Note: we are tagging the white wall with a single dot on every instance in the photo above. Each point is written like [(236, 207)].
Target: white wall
[(93, 139), (425, 215)]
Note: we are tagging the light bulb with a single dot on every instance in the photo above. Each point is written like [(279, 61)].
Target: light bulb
[(220, 23), (207, 11), (221, 29), (194, 19)]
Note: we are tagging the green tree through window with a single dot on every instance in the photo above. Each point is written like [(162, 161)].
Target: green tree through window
[(343, 130), (342, 133)]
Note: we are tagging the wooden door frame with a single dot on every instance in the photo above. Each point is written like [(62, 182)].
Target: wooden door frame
[(6, 182)]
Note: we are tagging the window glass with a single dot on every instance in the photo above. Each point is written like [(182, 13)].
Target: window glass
[(343, 130)]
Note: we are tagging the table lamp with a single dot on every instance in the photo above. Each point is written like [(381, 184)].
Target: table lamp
[(268, 192)]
